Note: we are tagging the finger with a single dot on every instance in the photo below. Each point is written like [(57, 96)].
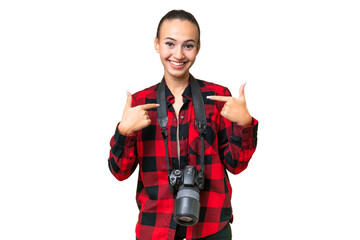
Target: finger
[(242, 91), (219, 98), (149, 106), (223, 113), (148, 122), (128, 100)]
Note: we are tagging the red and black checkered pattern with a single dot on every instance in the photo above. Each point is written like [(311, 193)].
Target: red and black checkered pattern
[(227, 147)]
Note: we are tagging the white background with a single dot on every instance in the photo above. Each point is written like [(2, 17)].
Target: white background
[(65, 67)]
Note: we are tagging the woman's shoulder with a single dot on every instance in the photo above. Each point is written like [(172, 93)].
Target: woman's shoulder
[(214, 88), (143, 96)]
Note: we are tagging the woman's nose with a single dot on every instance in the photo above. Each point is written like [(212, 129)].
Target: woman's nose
[(178, 54)]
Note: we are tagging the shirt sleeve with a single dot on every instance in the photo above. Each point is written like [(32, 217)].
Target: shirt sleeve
[(237, 143), (122, 160)]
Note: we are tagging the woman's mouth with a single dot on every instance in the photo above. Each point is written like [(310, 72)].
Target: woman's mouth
[(177, 65)]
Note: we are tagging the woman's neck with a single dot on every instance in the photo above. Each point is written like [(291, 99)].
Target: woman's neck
[(177, 85)]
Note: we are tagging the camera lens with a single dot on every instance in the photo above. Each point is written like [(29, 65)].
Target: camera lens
[(186, 219), (187, 206)]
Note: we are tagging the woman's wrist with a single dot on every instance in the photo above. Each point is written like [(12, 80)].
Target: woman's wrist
[(245, 123), (123, 130)]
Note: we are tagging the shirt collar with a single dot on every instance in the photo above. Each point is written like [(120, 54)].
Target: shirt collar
[(186, 94)]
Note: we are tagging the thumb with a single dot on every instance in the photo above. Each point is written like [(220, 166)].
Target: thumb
[(128, 100), (241, 90)]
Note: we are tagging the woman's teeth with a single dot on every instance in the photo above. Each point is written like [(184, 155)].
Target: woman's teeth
[(178, 63)]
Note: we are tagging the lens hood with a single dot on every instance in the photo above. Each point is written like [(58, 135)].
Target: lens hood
[(187, 206)]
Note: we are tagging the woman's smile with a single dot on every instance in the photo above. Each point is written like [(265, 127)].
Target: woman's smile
[(176, 64)]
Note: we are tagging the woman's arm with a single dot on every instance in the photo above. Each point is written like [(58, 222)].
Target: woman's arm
[(237, 131), (122, 159), (237, 144)]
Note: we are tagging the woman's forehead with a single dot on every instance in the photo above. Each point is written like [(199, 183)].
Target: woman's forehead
[(177, 28)]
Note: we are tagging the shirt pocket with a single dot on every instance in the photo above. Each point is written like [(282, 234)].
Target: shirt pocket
[(210, 140)]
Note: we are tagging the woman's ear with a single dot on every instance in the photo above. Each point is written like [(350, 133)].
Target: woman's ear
[(157, 44), (198, 48)]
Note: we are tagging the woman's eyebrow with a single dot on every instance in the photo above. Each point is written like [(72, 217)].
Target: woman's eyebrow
[(170, 38)]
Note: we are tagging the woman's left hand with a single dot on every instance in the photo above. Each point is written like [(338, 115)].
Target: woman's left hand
[(235, 109)]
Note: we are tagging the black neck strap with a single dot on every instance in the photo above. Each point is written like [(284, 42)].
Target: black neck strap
[(200, 119)]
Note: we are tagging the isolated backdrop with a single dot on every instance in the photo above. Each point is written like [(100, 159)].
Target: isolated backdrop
[(65, 67)]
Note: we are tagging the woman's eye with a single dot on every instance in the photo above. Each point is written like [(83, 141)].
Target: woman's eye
[(170, 44), (189, 46)]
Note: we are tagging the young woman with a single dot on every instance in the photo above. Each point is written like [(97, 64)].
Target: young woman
[(230, 140)]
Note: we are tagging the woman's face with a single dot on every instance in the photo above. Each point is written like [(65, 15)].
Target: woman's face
[(178, 45)]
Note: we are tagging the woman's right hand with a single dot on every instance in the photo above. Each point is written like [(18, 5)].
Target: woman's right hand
[(134, 118)]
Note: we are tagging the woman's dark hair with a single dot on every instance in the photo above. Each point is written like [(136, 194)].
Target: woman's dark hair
[(178, 14)]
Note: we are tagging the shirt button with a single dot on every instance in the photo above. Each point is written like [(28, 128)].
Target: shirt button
[(182, 117)]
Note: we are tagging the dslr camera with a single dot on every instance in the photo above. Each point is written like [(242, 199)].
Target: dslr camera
[(186, 184)]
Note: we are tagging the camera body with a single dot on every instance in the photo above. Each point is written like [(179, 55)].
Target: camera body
[(186, 184)]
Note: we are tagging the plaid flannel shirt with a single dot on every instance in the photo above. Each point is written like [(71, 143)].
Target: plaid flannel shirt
[(228, 146)]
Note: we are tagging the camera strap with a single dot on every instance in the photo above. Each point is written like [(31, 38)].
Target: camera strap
[(200, 121)]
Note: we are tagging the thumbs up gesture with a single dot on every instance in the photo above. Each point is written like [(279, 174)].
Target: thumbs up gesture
[(235, 109), (134, 118)]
